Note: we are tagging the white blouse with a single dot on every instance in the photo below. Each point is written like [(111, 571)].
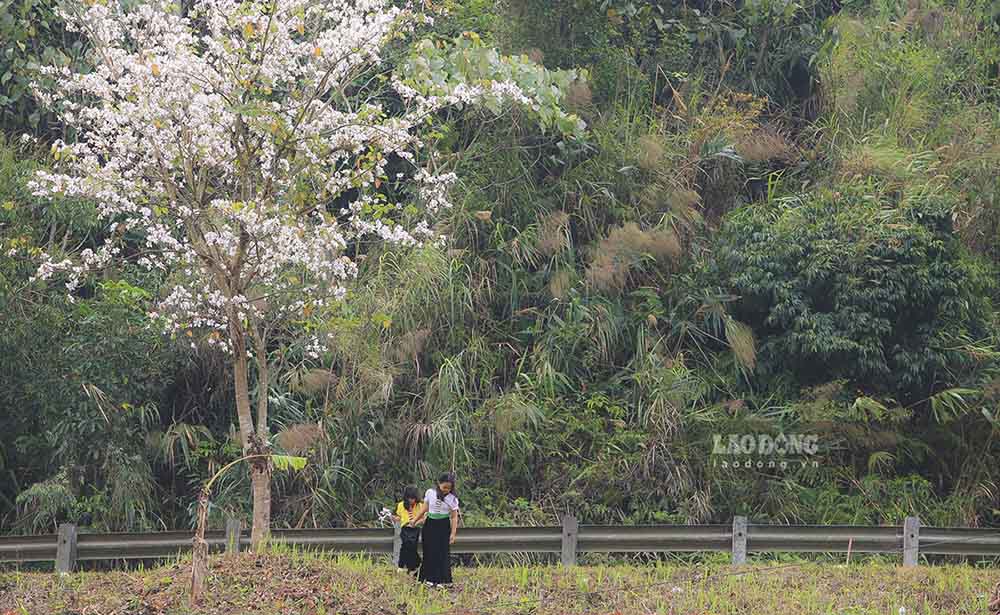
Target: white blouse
[(440, 507)]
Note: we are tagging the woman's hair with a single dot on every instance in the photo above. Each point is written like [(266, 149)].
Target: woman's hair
[(447, 477), (410, 493)]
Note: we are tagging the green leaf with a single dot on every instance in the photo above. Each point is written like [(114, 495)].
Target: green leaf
[(950, 403), (288, 462), (868, 407)]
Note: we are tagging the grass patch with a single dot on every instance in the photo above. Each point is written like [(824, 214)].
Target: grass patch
[(317, 584)]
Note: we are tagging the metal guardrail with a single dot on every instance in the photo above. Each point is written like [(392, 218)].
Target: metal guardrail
[(654, 538), (67, 547), (94, 547), (960, 541), (824, 539), (28, 548)]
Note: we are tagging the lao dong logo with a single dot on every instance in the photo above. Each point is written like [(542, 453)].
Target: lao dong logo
[(764, 451)]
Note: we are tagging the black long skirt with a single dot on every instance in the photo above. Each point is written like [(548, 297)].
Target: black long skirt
[(409, 558), (437, 551)]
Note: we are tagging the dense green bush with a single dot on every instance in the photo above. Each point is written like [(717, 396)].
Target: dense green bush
[(82, 374), (765, 47), (840, 286)]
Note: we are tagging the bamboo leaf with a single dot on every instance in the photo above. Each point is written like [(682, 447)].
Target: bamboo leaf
[(288, 462)]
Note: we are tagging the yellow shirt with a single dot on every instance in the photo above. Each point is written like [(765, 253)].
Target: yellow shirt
[(403, 514)]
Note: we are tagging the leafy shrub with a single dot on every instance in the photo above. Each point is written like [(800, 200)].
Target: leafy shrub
[(841, 286), (45, 504)]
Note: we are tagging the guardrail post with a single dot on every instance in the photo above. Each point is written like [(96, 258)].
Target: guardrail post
[(570, 533), (234, 527), (66, 549), (739, 540), (397, 542), (911, 541)]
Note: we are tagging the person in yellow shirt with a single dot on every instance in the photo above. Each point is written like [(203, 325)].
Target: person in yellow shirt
[(407, 514)]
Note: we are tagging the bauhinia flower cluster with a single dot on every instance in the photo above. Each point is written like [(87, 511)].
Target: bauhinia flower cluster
[(252, 147)]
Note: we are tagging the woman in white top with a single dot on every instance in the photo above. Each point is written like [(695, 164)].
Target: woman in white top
[(441, 510)]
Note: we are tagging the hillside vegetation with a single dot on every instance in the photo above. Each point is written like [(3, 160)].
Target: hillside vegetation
[(784, 218)]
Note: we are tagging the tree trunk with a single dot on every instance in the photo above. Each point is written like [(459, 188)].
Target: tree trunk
[(199, 553), (241, 385), (260, 472), (260, 480), (260, 469)]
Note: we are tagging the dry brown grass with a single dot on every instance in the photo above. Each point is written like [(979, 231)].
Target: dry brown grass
[(579, 95), (845, 75), (553, 233), (410, 345), (560, 284), (298, 439), (741, 340), (650, 151), (682, 203), (767, 144), (314, 381), (615, 257)]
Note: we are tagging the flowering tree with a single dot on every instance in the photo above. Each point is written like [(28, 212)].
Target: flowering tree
[(252, 151)]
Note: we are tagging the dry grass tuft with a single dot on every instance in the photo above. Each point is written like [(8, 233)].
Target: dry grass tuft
[(298, 439), (553, 233), (579, 95), (410, 345), (826, 392), (741, 340), (651, 152), (885, 161), (314, 381), (683, 199), (845, 77), (766, 144), (681, 202), (560, 284), (616, 256)]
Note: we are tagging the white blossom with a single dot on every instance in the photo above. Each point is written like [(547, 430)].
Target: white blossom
[(227, 147)]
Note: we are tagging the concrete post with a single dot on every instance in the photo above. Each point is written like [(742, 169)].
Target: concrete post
[(66, 549), (570, 533), (739, 541), (911, 541)]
